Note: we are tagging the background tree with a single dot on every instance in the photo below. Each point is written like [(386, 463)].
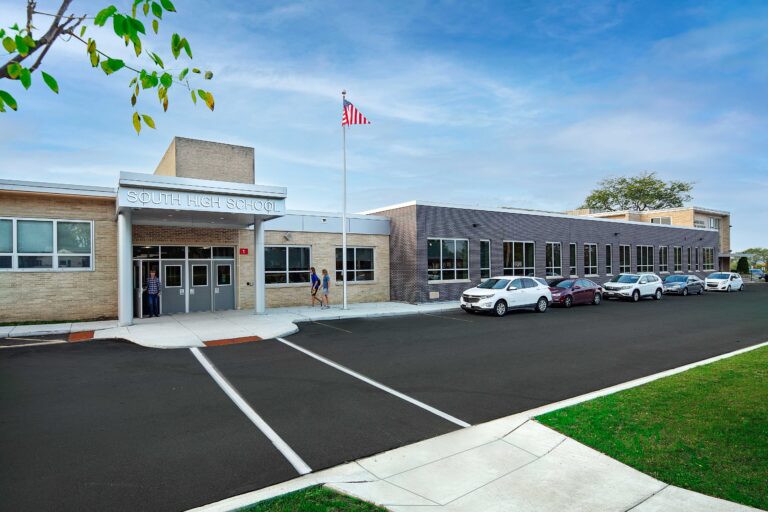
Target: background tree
[(757, 255), (26, 50), (742, 267), (638, 193)]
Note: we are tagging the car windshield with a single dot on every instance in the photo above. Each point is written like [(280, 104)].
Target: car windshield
[(493, 284), (719, 275), (676, 279), (625, 278), (565, 283)]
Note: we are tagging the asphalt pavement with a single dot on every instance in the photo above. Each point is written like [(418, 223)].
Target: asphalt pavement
[(110, 425)]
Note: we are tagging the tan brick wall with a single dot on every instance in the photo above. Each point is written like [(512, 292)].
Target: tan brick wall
[(205, 160), (47, 295), (176, 235), (323, 256)]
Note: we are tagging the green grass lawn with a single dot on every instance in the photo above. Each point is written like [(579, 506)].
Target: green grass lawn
[(705, 429), (313, 499)]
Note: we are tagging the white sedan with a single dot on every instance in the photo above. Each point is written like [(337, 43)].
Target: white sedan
[(724, 282), (500, 294)]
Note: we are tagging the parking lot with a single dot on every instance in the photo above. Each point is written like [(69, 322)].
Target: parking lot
[(110, 425)]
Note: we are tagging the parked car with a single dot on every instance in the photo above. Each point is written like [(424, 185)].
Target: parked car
[(634, 286), (683, 285), (724, 282), (500, 294), (567, 292), (757, 273)]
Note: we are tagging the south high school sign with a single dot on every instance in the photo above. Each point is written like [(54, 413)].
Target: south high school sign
[(195, 201)]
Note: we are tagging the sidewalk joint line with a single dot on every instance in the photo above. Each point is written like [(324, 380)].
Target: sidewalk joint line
[(301, 467), (376, 384), (647, 497)]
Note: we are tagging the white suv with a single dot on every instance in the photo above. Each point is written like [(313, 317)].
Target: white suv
[(724, 282), (634, 286), (500, 294)]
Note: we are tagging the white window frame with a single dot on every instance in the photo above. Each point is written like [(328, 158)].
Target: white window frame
[(590, 265), (573, 258), (525, 267), (645, 261), (666, 221), (287, 272), (664, 261), (609, 259), (484, 269), (192, 275), (690, 259), (165, 275), (627, 267), (441, 269), (706, 266), (54, 255), (549, 271), (696, 259), (354, 270), (231, 274), (714, 223), (678, 251)]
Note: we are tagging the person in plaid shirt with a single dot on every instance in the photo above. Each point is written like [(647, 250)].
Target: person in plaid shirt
[(153, 293)]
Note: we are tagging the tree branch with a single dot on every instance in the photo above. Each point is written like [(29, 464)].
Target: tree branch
[(31, 4)]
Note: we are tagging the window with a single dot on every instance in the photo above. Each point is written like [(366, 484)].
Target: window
[(146, 251), (35, 245), (172, 278), (554, 259), (661, 220), (485, 259), (714, 223), (609, 259), (678, 254), (590, 259), (359, 264), (223, 252), (199, 275), (203, 253), (696, 260), (519, 259), (709, 258), (699, 223), (663, 258), (223, 275), (178, 252), (572, 259), (625, 259), (690, 260), (447, 259), (285, 264), (644, 258)]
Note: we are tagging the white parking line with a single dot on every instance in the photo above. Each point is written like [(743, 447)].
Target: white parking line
[(252, 415), (374, 383)]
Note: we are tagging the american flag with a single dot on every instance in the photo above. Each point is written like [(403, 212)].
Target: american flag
[(352, 115)]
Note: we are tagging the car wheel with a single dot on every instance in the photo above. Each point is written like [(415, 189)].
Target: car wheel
[(597, 300), (685, 292), (636, 296), (541, 305), (741, 288), (500, 308), (568, 301), (728, 290), (658, 295), (701, 290)]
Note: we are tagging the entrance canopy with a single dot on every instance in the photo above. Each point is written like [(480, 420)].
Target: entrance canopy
[(170, 200)]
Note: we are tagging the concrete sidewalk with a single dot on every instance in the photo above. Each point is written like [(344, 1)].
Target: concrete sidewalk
[(197, 329)]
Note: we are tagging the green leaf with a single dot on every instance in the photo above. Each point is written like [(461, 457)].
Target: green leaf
[(2, 107), (207, 97), (50, 82), (133, 100), (21, 46), (184, 44), (136, 44), (195, 70), (82, 31), (2, 33), (8, 99), (168, 5), (146, 9), (9, 45), (15, 27), (136, 122), (91, 46), (111, 65), (157, 59), (155, 26), (148, 121), (175, 50), (138, 25), (183, 74), (14, 70), (95, 59), (167, 80), (26, 78), (119, 25), (103, 15), (208, 75), (30, 41), (157, 10), (194, 98)]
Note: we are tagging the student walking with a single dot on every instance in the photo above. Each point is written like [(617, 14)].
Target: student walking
[(153, 293), (326, 285), (314, 286)]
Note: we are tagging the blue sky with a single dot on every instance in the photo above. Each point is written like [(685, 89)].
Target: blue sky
[(525, 104)]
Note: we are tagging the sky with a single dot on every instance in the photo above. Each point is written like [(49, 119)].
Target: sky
[(523, 104)]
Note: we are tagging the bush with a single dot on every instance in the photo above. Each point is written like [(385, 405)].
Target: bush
[(742, 267)]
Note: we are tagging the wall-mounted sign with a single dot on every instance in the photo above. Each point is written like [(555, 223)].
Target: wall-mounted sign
[(197, 201), (244, 250)]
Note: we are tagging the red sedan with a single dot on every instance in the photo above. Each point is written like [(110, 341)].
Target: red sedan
[(567, 292)]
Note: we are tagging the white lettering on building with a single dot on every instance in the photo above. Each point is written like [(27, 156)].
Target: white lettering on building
[(214, 202)]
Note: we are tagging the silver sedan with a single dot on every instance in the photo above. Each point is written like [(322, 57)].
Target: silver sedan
[(683, 285)]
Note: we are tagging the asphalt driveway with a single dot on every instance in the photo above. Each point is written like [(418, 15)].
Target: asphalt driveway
[(109, 425)]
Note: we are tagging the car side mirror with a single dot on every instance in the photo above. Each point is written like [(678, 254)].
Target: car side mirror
[(577, 287), (510, 287)]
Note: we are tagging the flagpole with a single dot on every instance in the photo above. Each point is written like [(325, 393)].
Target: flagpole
[(344, 207)]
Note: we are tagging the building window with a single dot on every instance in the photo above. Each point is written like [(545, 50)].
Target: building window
[(699, 223), (359, 264), (199, 275), (625, 259), (172, 278), (590, 259), (690, 260), (572, 260), (35, 244), (663, 258), (285, 264), (714, 223), (447, 259), (645, 258), (519, 259), (696, 260), (485, 259), (661, 220), (678, 251), (709, 258), (609, 259), (554, 259)]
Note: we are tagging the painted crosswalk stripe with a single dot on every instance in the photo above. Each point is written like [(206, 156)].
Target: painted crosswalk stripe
[(374, 383), (252, 415)]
